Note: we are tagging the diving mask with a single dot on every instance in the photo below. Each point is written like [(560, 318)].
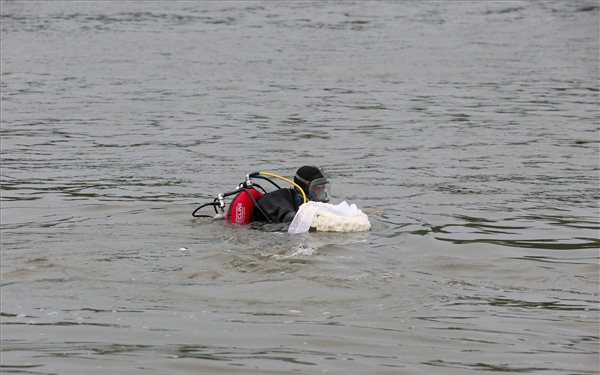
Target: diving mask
[(319, 190)]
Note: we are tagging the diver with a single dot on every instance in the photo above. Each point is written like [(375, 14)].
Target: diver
[(281, 205), (300, 209)]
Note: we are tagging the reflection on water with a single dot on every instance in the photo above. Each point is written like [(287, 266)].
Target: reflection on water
[(468, 133)]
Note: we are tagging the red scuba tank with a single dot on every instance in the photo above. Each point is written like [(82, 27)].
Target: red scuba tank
[(241, 209)]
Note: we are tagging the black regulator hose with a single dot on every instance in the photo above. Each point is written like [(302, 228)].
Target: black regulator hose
[(258, 175), (215, 204), (257, 206), (260, 187)]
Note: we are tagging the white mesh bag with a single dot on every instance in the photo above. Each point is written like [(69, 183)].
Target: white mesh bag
[(327, 217)]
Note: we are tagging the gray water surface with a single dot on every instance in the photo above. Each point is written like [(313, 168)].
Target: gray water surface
[(468, 131)]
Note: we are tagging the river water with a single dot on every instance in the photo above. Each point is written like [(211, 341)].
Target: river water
[(468, 131)]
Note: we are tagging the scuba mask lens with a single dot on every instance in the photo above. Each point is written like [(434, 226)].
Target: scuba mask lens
[(319, 190)]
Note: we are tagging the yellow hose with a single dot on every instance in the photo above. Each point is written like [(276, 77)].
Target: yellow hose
[(286, 180)]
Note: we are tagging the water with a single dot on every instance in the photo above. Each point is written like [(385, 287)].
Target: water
[(468, 131)]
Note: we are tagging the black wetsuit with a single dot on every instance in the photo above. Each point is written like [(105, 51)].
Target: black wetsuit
[(280, 205)]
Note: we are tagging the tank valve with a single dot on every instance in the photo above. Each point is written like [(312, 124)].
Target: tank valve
[(221, 202)]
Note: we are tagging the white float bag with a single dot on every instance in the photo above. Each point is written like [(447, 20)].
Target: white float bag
[(325, 217)]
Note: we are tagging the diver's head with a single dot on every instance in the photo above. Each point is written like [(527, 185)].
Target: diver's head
[(312, 180)]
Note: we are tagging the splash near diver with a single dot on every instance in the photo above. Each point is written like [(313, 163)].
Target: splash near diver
[(305, 205)]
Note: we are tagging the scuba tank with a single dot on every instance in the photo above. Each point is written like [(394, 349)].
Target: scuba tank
[(241, 209)]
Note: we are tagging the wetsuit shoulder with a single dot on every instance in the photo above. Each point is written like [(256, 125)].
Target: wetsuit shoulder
[(278, 205)]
